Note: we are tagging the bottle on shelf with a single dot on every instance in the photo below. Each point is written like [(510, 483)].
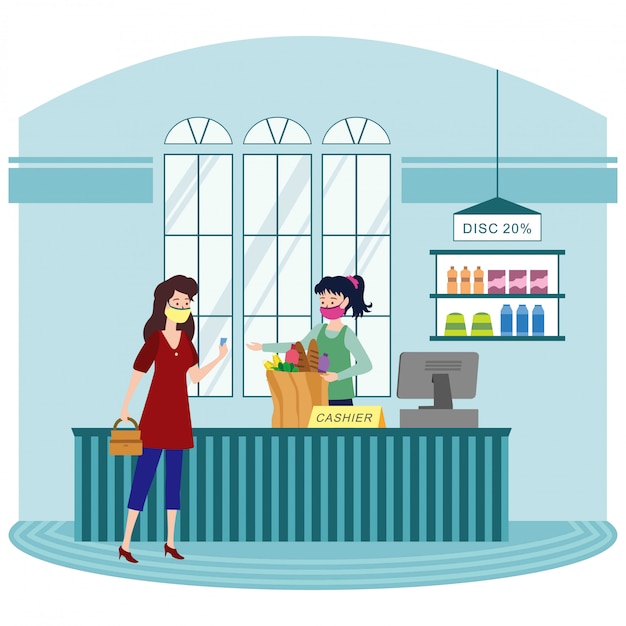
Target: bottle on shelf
[(479, 285), (521, 321), (465, 280), (538, 319), (452, 274), (323, 363), (506, 321)]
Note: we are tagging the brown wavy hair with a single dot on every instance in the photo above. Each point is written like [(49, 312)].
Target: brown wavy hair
[(162, 293)]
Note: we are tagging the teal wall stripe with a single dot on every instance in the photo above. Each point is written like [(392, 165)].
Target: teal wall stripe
[(517, 184), (366, 493), (423, 489), (121, 503), (103, 489), (340, 482), (406, 489), (316, 488), (160, 512), (504, 505), (324, 504), (308, 489), (463, 489), (233, 488), (332, 478), (87, 490), (255, 484), (455, 495), (191, 492), (447, 489), (374, 490), (349, 495), (299, 487), (388, 503), (78, 489), (200, 445), (149, 516), (80, 184), (275, 489), (291, 489), (488, 463), (438, 488), (245, 457), (217, 488), (111, 536), (226, 478), (283, 475), (397, 474), (357, 451), (184, 526), (431, 486), (414, 473), (210, 485), (471, 488), (267, 488), (480, 488)]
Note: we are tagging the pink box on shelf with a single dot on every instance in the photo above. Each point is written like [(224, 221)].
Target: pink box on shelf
[(517, 281), (496, 280), (538, 281)]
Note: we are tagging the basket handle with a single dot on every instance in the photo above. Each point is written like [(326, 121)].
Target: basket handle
[(130, 419)]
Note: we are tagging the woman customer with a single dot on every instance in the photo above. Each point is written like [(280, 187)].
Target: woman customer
[(165, 422)]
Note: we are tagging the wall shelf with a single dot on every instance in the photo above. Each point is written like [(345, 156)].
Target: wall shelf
[(489, 305)]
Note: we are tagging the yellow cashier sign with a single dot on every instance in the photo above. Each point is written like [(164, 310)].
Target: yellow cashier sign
[(347, 417)]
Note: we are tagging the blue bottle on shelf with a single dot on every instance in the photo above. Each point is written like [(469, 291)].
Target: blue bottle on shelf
[(521, 320), (537, 320), (506, 321)]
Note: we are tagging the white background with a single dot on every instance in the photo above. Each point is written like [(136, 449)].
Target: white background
[(572, 47)]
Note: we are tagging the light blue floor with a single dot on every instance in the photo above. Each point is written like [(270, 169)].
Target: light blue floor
[(532, 547)]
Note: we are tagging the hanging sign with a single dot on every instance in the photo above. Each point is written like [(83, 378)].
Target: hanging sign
[(347, 417), (497, 220)]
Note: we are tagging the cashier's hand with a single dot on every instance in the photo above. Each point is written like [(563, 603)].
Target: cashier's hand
[(254, 345), (330, 377)]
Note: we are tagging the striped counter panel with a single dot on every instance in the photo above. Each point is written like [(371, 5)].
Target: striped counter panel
[(308, 485)]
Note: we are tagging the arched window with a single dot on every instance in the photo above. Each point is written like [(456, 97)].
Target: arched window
[(277, 130), (198, 230), (356, 233), (277, 209), (356, 130), (198, 130)]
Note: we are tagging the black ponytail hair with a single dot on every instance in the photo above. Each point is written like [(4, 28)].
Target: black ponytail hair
[(351, 287)]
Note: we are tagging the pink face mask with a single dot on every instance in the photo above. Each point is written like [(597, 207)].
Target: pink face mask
[(332, 313)]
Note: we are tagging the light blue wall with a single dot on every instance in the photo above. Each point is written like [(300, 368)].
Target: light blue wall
[(87, 272)]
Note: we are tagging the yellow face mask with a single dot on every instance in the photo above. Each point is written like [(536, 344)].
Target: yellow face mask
[(177, 315)]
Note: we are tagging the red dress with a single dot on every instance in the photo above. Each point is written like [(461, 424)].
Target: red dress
[(166, 420)]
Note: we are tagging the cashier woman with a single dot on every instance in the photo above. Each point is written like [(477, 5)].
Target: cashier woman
[(337, 295)]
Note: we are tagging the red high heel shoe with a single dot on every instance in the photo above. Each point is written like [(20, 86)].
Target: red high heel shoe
[(172, 551), (127, 555)]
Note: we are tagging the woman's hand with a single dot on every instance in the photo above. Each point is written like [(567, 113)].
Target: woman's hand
[(330, 377), (254, 345), (124, 414), (223, 351)]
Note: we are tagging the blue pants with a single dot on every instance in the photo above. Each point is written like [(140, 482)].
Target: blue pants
[(347, 402), (144, 475)]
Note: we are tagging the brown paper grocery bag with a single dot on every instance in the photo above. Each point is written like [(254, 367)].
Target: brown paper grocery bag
[(294, 394)]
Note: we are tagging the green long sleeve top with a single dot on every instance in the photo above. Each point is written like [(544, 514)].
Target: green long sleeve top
[(362, 363)]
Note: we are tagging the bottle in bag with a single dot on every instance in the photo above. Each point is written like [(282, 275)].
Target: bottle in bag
[(506, 321), (292, 356), (521, 320), (323, 363)]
